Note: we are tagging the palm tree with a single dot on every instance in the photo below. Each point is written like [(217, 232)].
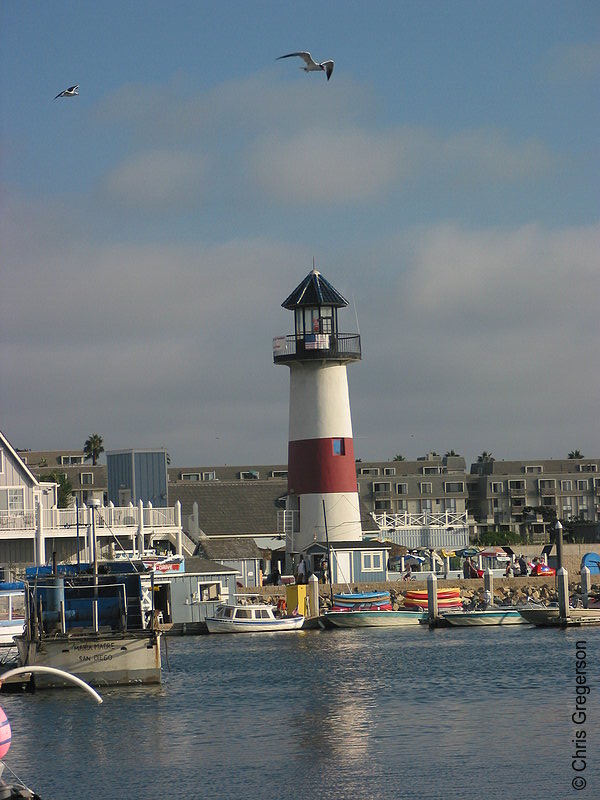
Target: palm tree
[(485, 457), (451, 453), (575, 454), (65, 488), (93, 447), (398, 457)]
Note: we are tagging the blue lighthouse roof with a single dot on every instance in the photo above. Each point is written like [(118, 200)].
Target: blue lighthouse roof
[(314, 290)]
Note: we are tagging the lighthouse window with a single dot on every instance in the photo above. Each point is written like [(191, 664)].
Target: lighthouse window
[(338, 447)]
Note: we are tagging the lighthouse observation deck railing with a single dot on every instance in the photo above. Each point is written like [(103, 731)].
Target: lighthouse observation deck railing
[(318, 346)]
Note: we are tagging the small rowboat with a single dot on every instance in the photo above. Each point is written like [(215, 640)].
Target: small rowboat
[(446, 598), (364, 601), (443, 594)]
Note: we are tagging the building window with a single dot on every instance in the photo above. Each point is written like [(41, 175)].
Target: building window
[(516, 486), (548, 501), (566, 486), (582, 486), (425, 488), (190, 476), (339, 448), (279, 473), (2, 461), (518, 502), (383, 505), (12, 500), (211, 475), (549, 483), (431, 470), (402, 488), (454, 487), (250, 475), (402, 505), (65, 460), (371, 562), (389, 470), (588, 468), (534, 469), (425, 505), (369, 471), (86, 478), (497, 487), (381, 487), (450, 504)]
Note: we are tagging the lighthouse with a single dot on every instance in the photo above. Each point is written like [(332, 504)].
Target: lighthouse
[(322, 488)]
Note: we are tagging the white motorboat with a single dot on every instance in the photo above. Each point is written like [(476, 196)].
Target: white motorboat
[(251, 618)]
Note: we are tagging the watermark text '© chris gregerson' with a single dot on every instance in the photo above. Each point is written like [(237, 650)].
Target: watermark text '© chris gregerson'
[(579, 717)]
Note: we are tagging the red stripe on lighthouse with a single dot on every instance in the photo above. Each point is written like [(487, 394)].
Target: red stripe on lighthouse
[(314, 467)]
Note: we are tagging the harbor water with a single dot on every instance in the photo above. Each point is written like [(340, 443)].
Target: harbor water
[(365, 714)]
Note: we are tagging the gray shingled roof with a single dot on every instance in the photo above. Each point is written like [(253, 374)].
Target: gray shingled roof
[(227, 549), (244, 507), (203, 566)]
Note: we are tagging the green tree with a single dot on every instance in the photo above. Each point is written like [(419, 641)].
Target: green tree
[(398, 457), (485, 458), (576, 454), (451, 453), (65, 488), (93, 447)]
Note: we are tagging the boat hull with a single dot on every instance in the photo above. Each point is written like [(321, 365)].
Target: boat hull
[(216, 625), (550, 617), (100, 660), (374, 619), (469, 618)]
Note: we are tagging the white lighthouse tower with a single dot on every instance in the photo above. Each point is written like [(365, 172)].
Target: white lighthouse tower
[(322, 486)]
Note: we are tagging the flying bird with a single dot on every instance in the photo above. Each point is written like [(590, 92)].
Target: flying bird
[(311, 64), (70, 92)]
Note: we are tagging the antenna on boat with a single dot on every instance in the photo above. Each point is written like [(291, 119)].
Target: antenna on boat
[(328, 553)]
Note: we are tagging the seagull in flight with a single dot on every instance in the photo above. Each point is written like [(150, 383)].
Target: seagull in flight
[(311, 64), (70, 92)]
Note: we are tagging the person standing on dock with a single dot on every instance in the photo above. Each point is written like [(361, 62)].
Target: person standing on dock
[(523, 565)]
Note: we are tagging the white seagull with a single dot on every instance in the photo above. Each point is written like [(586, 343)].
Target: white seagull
[(70, 92), (311, 64)]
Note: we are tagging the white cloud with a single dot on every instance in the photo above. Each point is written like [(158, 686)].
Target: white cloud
[(322, 166), (523, 277), (574, 61), (157, 178)]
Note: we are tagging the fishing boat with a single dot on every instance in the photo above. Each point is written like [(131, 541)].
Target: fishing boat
[(488, 616), (12, 611), (251, 618), (373, 619), (99, 627)]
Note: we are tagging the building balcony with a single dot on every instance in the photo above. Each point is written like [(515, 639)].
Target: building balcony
[(316, 347)]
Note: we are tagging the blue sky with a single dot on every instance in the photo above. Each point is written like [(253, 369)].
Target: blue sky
[(445, 180)]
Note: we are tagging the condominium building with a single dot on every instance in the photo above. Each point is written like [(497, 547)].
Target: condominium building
[(528, 496)]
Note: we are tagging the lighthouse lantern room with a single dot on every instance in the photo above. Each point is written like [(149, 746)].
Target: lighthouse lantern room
[(322, 500)]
